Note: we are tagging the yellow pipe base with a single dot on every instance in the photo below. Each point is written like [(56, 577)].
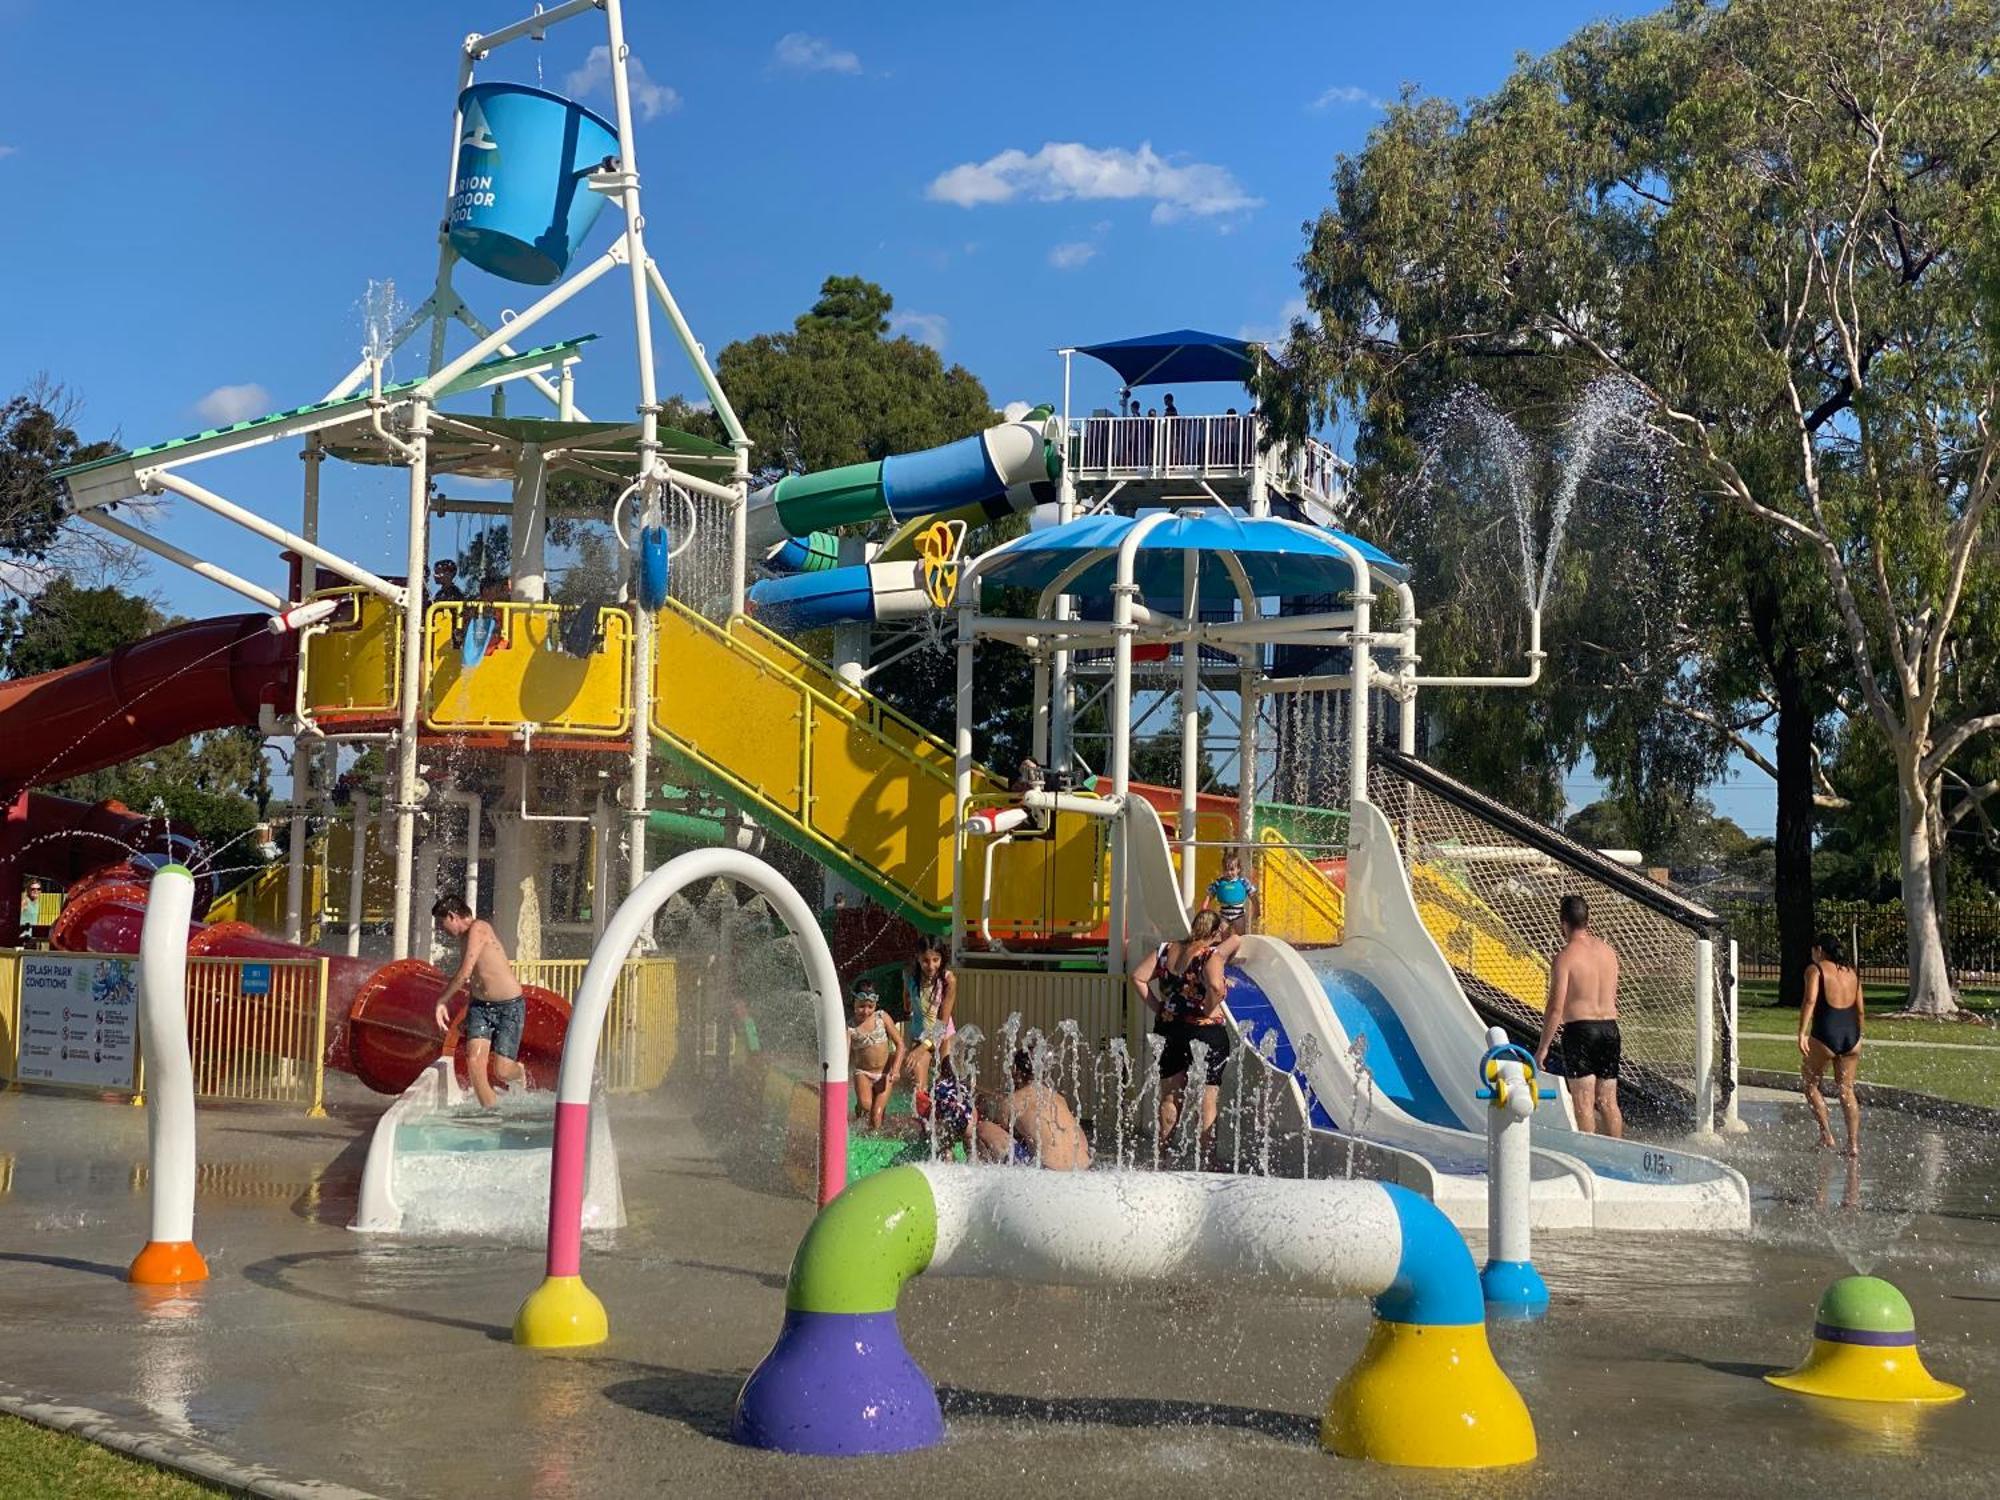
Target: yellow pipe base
[(1863, 1372), (1429, 1397), (167, 1263), (561, 1313)]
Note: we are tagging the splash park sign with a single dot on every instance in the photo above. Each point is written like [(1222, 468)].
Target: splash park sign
[(80, 1022)]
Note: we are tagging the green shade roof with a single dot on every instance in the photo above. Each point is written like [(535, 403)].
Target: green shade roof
[(326, 413), (605, 445)]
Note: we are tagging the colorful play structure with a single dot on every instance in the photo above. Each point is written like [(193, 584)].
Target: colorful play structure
[(1189, 567)]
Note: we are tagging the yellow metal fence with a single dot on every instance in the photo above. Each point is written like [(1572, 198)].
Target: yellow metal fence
[(257, 1029), (641, 1030)]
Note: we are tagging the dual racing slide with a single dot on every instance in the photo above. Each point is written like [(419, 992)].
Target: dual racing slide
[(1394, 1054)]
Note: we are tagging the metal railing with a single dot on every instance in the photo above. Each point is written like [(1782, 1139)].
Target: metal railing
[(1877, 938), (1150, 447), (1314, 470)]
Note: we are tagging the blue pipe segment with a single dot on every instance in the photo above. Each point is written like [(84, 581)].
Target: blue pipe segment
[(805, 601), (1435, 1281), (915, 484)]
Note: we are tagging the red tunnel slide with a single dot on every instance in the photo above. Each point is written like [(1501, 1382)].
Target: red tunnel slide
[(208, 675)]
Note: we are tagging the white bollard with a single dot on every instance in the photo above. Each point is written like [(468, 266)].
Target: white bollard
[(170, 1257), (1512, 1285)]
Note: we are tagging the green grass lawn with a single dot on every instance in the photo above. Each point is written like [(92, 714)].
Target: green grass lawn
[(1881, 997), (1770, 1033), (39, 1464)]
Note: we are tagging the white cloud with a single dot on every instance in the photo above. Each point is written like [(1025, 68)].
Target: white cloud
[(1064, 170), (1072, 255), (233, 403), (1274, 332), (925, 328), (1346, 94), (7, 151), (650, 99), (813, 54)]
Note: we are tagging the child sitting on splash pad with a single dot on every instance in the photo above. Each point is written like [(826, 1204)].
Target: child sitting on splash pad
[(1032, 1126)]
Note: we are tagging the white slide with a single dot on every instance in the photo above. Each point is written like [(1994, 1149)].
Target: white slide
[(1395, 1059), (434, 1169), (1391, 1055)]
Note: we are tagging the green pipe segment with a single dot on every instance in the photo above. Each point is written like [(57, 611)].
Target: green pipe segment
[(832, 498), (864, 1245)]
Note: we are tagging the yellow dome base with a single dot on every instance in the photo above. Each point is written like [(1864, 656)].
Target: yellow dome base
[(1866, 1372), (1429, 1396)]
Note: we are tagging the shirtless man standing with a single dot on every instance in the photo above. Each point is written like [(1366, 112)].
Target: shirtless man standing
[(1583, 1006), (495, 1012), (1034, 1124)]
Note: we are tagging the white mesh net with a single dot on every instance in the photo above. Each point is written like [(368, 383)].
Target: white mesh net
[(1489, 882)]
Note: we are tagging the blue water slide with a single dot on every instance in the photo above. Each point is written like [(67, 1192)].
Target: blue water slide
[(943, 478), (807, 601)]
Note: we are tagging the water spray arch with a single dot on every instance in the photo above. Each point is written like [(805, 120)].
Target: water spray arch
[(562, 1312)]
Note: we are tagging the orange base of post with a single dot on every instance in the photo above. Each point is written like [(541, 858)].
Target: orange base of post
[(167, 1263)]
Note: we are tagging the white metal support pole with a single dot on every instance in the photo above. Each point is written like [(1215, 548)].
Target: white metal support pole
[(961, 771), (1407, 662), (305, 754), (309, 506), (1062, 681), (739, 530), (410, 699), (447, 256), (1246, 761), (1124, 594), (156, 480), (527, 527), (1043, 715), (1704, 1036), (1362, 673), (1190, 719), (357, 871), (256, 593), (297, 840), (637, 790)]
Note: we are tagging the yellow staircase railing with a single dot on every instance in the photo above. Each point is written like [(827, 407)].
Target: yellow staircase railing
[(867, 790), (1297, 902), (261, 900)]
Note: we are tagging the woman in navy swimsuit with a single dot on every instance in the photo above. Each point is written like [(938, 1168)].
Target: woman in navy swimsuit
[(1830, 1032)]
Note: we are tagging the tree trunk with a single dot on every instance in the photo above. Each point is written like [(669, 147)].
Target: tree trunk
[(1940, 870), (1794, 835), (1930, 980)]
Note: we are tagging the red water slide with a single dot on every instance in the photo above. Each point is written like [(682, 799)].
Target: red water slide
[(211, 674)]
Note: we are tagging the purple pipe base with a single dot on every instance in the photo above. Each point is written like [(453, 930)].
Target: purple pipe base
[(837, 1385)]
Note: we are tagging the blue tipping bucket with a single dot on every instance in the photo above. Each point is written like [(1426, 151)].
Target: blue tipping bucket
[(519, 206)]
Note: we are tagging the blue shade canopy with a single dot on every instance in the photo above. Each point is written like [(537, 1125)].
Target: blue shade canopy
[(1283, 559), (1186, 356)]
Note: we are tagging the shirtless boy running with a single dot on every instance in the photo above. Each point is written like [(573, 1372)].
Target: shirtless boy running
[(1583, 1006), (495, 1011)]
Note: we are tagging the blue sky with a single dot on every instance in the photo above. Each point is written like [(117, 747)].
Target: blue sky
[(198, 203)]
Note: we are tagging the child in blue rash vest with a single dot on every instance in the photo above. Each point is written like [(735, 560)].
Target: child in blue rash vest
[(1232, 895)]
